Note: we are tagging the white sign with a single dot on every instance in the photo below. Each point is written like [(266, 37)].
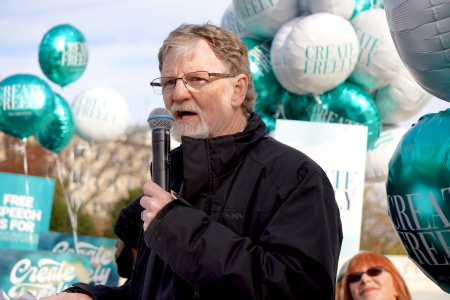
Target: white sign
[(340, 149)]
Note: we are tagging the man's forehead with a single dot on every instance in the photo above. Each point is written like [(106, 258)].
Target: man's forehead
[(188, 58)]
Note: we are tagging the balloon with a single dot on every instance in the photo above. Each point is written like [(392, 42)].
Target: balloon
[(101, 114), (362, 5), (377, 158), (343, 8), (26, 105), (276, 57), (58, 134), (314, 54), (418, 189), (231, 22), (295, 107), (378, 62), (264, 17), (63, 54), (348, 104), (402, 99), (267, 87), (269, 121), (420, 30)]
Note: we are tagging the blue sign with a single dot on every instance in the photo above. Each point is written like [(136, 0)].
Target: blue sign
[(42, 273), (100, 250), (25, 209)]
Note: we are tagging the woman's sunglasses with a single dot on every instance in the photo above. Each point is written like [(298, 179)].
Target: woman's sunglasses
[(372, 272)]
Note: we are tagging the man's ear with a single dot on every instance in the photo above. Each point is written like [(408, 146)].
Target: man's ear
[(240, 85)]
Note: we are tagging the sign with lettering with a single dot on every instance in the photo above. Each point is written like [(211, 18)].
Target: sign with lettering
[(100, 250), (42, 273), (25, 209), (340, 149)]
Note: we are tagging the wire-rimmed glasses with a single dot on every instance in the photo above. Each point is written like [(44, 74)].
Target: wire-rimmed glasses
[(194, 81)]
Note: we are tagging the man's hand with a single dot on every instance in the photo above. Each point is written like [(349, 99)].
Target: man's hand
[(68, 296), (154, 199)]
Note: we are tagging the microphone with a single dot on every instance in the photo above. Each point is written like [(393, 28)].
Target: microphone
[(160, 121)]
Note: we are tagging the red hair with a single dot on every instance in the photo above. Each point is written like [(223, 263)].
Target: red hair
[(373, 259)]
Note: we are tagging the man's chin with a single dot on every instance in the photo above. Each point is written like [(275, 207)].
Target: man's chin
[(198, 133)]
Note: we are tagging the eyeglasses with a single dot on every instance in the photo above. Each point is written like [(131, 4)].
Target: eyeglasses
[(372, 272), (193, 81)]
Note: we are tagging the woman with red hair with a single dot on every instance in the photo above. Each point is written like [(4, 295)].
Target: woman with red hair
[(373, 276)]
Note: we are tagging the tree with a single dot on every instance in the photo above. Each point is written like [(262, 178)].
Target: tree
[(60, 220), (97, 175), (377, 232), (119, 205)]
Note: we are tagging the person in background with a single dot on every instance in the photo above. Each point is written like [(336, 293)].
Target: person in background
[(248, 217), (340, 281), (127, 228), (371, 275)]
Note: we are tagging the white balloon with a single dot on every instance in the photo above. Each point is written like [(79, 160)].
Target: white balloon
[(315, 53), (377, 159), (101, 114), (264, 17), (343, 8), (231, 22), (402, 99), (276, 52), (378, 61)]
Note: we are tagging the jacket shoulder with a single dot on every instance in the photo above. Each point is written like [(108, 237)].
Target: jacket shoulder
[(285, 163)]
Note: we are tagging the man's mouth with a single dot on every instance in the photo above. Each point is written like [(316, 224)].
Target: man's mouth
[(183, 115)]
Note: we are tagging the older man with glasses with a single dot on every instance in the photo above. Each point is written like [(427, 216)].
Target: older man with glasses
[(249, 217)]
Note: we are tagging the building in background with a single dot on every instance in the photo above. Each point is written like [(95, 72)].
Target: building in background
[(94, 176)]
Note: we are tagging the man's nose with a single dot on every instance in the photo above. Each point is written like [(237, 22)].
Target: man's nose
[(180, 91)]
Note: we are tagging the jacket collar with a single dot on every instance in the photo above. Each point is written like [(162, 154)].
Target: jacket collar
[(206, 159)]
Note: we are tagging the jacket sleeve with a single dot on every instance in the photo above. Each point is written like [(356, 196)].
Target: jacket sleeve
[(101, 292), (295, 257)]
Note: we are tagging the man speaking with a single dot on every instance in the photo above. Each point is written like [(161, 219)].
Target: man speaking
[(247, 216)]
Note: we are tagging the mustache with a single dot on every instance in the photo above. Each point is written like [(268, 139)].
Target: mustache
[(179, 107)]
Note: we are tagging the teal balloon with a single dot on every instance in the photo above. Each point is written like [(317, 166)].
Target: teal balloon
[(295, 107), (348, 104), (267, 87), (58, 134), (63, 54), (362, 5), (26, 105), (269, 121), (418, 189)]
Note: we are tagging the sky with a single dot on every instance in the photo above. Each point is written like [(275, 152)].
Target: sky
[(123, 41)]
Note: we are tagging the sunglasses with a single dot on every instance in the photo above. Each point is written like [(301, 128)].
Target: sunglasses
[(372, 272)]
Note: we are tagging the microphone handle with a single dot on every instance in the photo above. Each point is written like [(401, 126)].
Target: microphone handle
[(161, 159)]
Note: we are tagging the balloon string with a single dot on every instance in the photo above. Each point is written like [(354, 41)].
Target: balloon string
[(73, 212), (317, 98), (281, 112), (58, 170), (23, 149)]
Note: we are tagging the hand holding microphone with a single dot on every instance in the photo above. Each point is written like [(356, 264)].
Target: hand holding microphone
[(152, 202), (157, 193)]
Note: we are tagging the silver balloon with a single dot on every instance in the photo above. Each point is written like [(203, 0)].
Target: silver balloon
[(420, 31)]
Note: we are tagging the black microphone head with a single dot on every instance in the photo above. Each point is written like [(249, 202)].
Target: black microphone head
[(160, 117)]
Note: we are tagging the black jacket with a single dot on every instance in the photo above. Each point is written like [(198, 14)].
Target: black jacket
[(255, 219)]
